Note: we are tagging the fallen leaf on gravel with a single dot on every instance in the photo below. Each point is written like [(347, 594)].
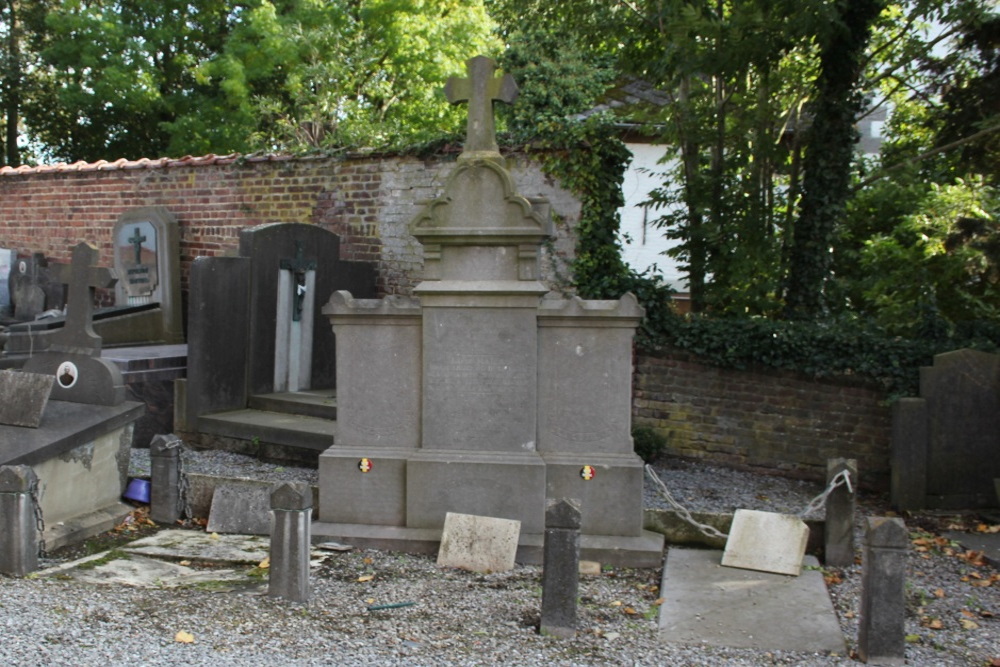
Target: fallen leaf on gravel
[(832, 579), (659, 601), (983, 528), (932, 623), (367, 561), (367, 577), (986, 614), (184, 562), (616, 603), (630, 611), (184, 637), (995, 662), (969, 625), (966, 612), (264, 564), (848, 614), (912, 639), (939, 593)]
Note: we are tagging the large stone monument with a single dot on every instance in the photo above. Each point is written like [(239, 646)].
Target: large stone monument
[(484, 394)]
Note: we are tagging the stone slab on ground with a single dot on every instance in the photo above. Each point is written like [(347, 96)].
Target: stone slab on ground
[(141, 572), (478, 543), (708, 604), (243, 509), (196, 545), (988, 543), (767, 542)]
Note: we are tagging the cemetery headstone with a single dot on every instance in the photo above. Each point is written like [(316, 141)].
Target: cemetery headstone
[(73, 357), (767, 542), (25, 396), (501, 398), (946, 444), (478, 543), (166, 501), (33, 287), (8, 258), (147, 260)]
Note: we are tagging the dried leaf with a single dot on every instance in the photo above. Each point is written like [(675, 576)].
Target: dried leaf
[(969, 625), (264, 564), (367, 577), (630, 611), (659, 601), (939, 593), (214, 536), (966, 612), (616, 603), (932, 623), (184, 637), (848, 614), (184, 562), (367, 561)]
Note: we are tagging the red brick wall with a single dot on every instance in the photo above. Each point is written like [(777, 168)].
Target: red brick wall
[(368, 201), (763, 418)]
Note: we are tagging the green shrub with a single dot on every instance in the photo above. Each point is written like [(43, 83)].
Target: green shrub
[(648, 442)]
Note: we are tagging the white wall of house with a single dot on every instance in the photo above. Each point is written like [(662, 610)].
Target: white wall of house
[(643, 243)]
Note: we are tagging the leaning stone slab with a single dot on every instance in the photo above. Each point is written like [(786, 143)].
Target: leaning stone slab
[(24, 397), (240, 509), (478, 543), (767, 542)]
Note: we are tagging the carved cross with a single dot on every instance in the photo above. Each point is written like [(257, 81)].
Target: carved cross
[(77, 335), (480, 90), (136, 242), (298, 266)]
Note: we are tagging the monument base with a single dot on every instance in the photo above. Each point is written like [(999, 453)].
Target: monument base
[(644, 550)]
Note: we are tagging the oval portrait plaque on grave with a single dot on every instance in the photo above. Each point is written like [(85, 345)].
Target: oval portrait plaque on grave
[(67, 374)]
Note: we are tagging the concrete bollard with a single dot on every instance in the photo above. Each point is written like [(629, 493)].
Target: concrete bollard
[(166, 504), (18, 527), (561, 573), (291, 539), (881, 631), (840, 507)]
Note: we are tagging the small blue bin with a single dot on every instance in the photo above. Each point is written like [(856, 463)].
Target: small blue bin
[(137, 490)]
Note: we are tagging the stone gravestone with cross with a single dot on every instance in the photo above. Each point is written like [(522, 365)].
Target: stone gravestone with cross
[(490, 394), (74, 354)]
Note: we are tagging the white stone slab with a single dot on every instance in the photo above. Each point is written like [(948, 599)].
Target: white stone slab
[(478, 543), (766, 542), (196, 545)]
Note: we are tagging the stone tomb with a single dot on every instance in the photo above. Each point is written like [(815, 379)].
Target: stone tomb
[(946, 443), (255, 338), (479, 396), (33, 288)]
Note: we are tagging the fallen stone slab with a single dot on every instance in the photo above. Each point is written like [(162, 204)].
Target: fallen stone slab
[(708, 604), (243, 509), (142, 572), (199, 546)]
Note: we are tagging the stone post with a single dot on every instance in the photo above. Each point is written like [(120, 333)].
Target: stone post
[(165, 501), (881, 634), (18, 529), (561, 573), (291, 503), (840, 508)]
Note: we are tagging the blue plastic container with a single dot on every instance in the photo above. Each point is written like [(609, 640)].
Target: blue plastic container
[(137, 490)]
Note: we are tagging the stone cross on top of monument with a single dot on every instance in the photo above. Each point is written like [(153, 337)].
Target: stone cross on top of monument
[(480, 90), (77, 335)]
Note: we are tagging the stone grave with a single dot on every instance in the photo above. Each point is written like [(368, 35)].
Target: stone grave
[(147, 307), (946, 444), (8, 258), (262, 372), (485, 394), (80, 449), (33, 289)]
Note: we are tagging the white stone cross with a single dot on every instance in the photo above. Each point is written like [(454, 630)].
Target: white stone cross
[(480, 90)]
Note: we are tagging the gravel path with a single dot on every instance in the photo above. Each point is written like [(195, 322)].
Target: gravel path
[(471, 619)]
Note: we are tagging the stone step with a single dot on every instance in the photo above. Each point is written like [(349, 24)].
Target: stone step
[(321, 403), (269, 435)]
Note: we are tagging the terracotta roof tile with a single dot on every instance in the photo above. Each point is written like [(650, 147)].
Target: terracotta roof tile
[(141, 163)]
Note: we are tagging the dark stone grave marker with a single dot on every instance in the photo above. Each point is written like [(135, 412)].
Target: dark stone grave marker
[(23, 397)]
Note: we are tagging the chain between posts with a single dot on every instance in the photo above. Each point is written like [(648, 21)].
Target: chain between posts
[(842, 478), (39, 519)]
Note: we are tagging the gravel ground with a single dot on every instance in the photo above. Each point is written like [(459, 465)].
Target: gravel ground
[(465, 618)]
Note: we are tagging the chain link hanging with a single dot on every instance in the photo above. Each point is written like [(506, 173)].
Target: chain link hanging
[(39, 519)]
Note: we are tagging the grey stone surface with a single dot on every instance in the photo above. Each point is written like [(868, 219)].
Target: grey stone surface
[(708, 604), (24, 397), (166, 504), (560, 578), (80, 378), (147, 259), (291, 540), (446, 397), (240, 509), (478, 543), (32, 289), (838, 549), (199, 545), (82, 276), (18, 530), (767, 542), (949, 448), (882, 612)]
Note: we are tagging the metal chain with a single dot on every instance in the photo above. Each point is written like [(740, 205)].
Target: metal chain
[(183, 483), (706, 530), (842, 478), (39, 519)]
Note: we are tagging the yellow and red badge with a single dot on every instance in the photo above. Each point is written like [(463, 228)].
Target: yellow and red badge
[(365, 465), (588, 473)]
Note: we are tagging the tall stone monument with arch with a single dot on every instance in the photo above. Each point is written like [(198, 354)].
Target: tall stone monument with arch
[(484, 393)]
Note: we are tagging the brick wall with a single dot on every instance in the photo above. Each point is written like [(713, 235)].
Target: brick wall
[(368, 201), (766, 419)]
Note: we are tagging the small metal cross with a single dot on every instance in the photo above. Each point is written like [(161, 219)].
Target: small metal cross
[(136, 242)]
